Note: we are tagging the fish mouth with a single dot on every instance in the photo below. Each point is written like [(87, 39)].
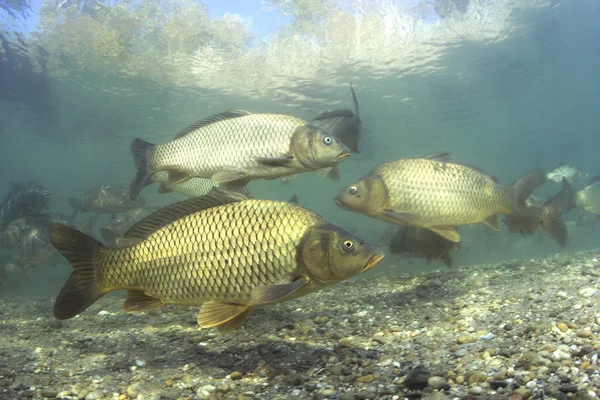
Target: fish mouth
[(340, 204), (373, 261), (343, 155)]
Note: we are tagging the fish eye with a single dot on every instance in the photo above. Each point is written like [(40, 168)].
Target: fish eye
[(348, 244), (327, 140), (353, 190)]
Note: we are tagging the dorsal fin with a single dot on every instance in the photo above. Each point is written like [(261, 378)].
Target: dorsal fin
[(444, 156), (593, 180), (441, 156), (175, 211), (225, 115), (355, 100), (333, 114)]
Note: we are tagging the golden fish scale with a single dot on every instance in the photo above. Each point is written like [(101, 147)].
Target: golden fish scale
[(216, 254), (232, 144), (443, 194)]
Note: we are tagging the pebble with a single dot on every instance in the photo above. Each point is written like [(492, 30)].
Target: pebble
[(236, 375), (438, 382), (464, 339), (205, 392), (584, 333), (476, 390), (587, 291)]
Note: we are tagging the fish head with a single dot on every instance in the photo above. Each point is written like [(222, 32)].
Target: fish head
[(331, 254), (314, 148), (35, 200), (366, 196)]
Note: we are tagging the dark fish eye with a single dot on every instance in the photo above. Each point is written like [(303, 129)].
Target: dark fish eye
[(327, 140), (348, 244), (353, 190)]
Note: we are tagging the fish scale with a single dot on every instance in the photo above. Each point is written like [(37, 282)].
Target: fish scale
[(461, 193), (204, 260)]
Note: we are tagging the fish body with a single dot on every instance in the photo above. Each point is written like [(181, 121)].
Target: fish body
[(548, 215), (105, 199), (435, 193), (588, 198), (570, 173), (33, 247), (419, 243), (22, 201), (343, 124), (222, 251), (235, 147)]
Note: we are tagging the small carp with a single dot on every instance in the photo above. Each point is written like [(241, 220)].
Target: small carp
[(105, 199), (418, 242), (22, 201), (436, 193), (549, 216), (588, 198), (343, 124), (235, 147)]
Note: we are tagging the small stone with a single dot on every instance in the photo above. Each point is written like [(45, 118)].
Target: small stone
[(140, 363), (562, 327), (417, 378), (438, 382), (568, 388), (320, 320), (460, 379), (205, 392), (93, 396), (587, 291), (365, 395), (347, 396), (498, 384), (49, 393), (236, 375), (464, 339), (365, 379), (584, 333), (477, 377), (476, 390), (524, 393)]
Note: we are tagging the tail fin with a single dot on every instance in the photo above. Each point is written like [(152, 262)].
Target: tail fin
[(140, 149), (80, 291), (552, 217), (523, 188)]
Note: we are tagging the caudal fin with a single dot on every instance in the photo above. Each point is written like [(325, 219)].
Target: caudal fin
[(80, 291), (552, 217), (523, 188), (140, 149)]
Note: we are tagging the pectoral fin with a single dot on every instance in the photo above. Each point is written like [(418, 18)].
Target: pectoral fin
[(235, 322), (137, 300), (446, 232), (492, 222), (175, 178), (272, 293), (228, 176), (284, 161), (216, 313), (401, 218)]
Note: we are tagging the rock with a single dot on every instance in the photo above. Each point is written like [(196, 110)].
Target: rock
[(476, 390), (498, 384), (205, 392), (48, 393), (465, 339), (562, 327), (236, 375), (568, 388), (347, 396), (417, 378), (365, 379), (438, 382)]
